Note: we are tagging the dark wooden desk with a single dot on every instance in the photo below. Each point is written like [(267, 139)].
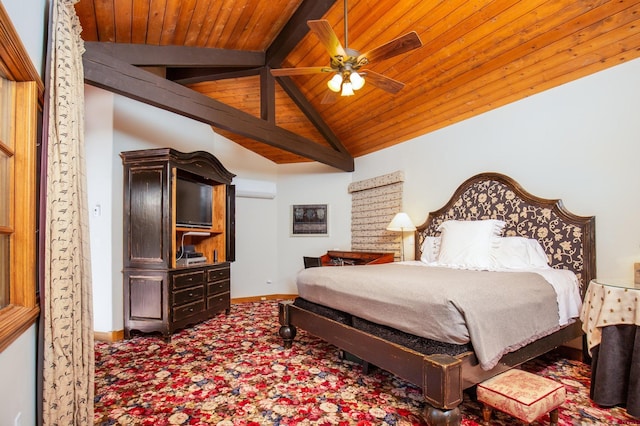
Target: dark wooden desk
[(340, 258)]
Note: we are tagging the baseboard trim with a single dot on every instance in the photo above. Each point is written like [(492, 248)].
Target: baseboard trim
[(108, 336)]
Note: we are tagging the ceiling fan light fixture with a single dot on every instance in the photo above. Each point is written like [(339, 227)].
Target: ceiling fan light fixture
[(356, 80), (335, 83), (345, 62), (347, 89)]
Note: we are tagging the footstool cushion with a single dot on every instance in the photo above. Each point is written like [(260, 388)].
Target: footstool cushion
[(522, 395)]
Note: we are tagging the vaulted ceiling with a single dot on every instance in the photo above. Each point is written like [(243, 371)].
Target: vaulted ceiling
[(210, 60)]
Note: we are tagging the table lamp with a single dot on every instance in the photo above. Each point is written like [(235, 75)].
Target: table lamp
[(401, 222)]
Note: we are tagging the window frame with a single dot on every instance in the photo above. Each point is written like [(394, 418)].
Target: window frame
[(16, 66)]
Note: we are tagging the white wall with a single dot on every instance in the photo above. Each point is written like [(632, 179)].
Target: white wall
[(98, 147), (310, 183), (579, 142), (30, 19), (18, 361), (18, 372)]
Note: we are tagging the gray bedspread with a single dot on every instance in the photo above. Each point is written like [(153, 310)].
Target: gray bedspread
[(498, 312)]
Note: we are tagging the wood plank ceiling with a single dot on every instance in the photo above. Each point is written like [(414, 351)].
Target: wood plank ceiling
[(476, 56)]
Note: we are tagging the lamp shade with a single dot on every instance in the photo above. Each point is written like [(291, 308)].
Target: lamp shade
[(335, 83), (356, 80), (347, 90), (401, 222)]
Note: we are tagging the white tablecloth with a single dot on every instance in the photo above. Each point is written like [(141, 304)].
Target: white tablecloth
[(608, 305)]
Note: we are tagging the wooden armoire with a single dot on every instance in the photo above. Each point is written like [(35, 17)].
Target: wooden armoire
[(177, 248)]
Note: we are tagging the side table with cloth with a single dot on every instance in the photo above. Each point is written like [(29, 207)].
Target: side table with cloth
[(611, 318)]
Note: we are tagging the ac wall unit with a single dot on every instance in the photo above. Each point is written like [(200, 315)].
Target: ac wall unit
[(250, 188)]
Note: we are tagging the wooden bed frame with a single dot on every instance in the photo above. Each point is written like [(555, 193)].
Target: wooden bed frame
[(569, 242)]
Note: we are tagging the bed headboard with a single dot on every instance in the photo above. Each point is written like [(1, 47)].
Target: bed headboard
[(569, 240)]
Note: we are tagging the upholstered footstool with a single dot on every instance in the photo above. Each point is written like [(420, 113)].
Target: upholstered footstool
[(522, 395)]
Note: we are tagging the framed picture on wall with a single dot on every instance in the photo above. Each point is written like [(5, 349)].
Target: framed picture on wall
[(309, 220)]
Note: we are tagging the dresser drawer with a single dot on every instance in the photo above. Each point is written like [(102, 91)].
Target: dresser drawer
[(218, 287), (193, 294), (219, 302), (218, 274), (186, 311), (187, 279)]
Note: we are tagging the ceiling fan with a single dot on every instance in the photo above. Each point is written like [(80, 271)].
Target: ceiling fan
[(347, 63)]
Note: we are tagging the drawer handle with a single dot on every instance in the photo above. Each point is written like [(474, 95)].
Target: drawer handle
[(190, 294), (190, 309)]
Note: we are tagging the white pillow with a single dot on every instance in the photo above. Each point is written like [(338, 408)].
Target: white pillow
[(430, 249), (468, 243), (519, 253)]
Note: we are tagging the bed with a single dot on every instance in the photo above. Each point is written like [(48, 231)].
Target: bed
[(392, 333)]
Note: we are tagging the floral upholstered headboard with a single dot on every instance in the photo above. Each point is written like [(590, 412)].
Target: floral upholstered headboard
[(568, 240)]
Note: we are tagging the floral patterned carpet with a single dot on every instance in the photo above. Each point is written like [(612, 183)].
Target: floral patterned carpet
[(232, 370)]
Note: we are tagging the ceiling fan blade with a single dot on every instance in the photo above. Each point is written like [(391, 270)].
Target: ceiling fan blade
[(395, 47), (380, 81), (282, 72), (329, 97), (327, 37)]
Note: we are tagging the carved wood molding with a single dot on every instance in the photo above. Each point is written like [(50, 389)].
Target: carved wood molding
[(15, 63)]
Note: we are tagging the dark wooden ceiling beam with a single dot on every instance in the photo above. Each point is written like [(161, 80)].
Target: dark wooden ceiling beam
[(198, 75), (112, 74), (267, 96), (189, 65), (295, 29), (178, 56), (296, 96)]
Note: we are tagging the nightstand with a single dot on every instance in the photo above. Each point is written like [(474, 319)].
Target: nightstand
[(611, 319)]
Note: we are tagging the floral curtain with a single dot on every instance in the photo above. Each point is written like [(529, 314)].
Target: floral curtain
[(68, 353)]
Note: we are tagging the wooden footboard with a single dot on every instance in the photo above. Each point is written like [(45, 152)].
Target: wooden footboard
[(441, 377)]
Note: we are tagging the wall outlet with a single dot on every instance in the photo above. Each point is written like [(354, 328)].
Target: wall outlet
[(636, 273)]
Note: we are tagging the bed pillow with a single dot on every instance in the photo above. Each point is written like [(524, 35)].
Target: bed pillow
[(468, 243), (430, 249), (519, 253)]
